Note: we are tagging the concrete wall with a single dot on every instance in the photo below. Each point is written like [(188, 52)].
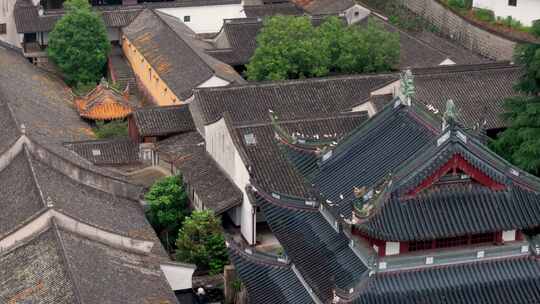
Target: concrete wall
[(6, 16), (206, 19), (178, 276), (152, 85), (460, 30), (220, 145), (525, 11)]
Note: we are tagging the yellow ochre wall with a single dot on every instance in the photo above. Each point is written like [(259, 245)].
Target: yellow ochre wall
[(153, 86)]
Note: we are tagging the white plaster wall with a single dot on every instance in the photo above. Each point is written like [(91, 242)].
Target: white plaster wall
[(525, 11), (509, 235), (214, 81), (179, 277), (220, 146), (356, 13), (206, 19), (392, 248), (6, 16)]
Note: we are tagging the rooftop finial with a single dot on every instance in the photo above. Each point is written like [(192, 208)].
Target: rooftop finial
[(450, 114), (406, 90), (103, 82), (23, 129)]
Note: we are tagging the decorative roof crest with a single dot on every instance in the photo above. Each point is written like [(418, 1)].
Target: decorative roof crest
[(450, 114), (406, 89)]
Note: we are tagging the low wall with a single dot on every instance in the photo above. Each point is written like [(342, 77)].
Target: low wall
[(462, 31)]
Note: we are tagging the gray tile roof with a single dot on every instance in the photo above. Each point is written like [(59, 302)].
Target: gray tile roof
[(375, 149), (267, 280), (34, 178), (36, 272), (321, 254), (20, 195), (106, 275), (171, 49), (27, 19), (8, 125), (199, 170), (510, 280), (92, 206), (40, 101), (289, 100), (161, 121), (117, 151), (478, 91), (270, 166)]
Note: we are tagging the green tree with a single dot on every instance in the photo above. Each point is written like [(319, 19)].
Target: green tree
[(287, 48), (168, 204), (520, 142), (111, 129), (291, 47), (78, 44), (201, 242)]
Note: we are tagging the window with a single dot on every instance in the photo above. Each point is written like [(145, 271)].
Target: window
[(188, 18), (512, 2), (150, 73), (3, 28)]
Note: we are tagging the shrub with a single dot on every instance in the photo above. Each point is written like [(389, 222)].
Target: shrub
[(484, 14), (459, 4), (111, 129), (201, 241)]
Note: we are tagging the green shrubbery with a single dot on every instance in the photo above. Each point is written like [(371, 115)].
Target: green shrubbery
[(460, 4), (201, 242), (291, 47), (111, 129), (484, 14), (520, 142)]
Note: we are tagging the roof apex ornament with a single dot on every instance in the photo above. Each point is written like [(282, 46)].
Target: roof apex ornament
[(103, 82), (406, 89), (23, 128), (450, 114)]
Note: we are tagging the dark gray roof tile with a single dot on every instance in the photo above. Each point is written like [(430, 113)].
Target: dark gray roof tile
[(213, 187), (35, 272), (161, 121)]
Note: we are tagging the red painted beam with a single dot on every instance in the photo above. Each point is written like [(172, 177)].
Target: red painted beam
[(457, 162)]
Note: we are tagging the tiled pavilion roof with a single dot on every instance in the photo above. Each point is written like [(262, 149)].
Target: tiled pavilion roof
[(103, 103)]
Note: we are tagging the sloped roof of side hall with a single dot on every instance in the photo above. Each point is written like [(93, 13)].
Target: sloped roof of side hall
[(289, 99), (172, 50), (52, 199)]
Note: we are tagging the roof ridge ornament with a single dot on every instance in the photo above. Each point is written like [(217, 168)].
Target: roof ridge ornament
[(450, 114), (406, 89)]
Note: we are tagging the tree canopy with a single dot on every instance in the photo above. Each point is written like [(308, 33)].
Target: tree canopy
[(201, 242), (291, 47), (78, 43), (169, 206), (520, 142)]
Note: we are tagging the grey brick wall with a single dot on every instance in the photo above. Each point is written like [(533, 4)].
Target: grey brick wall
[(463, 32)]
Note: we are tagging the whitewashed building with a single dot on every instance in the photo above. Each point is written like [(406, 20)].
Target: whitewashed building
[(526, 11)]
